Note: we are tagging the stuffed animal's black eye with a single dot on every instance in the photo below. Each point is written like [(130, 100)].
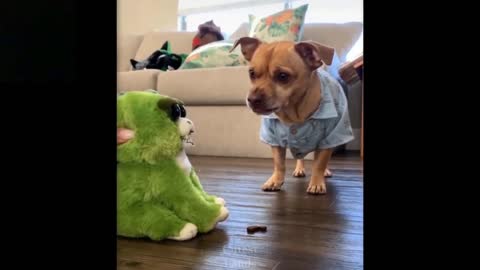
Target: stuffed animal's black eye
[(175, 112), (183, 112)]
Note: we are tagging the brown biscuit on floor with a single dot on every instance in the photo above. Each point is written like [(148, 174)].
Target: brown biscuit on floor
[(254, 229)]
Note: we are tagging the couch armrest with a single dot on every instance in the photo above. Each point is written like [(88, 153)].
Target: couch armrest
[(127, 46)]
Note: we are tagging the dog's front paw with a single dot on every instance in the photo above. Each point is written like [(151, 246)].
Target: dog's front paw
[(317, 186), (273, 184)]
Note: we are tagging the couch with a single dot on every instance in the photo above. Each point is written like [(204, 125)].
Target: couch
[(215, 97)]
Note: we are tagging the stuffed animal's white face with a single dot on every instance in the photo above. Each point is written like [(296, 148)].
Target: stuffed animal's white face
[(186, 128)]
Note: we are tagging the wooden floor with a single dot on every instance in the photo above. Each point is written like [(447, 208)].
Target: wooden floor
[(304, 231)]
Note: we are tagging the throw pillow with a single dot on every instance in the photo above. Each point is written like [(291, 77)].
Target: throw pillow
[(215, 54), (286, 25)]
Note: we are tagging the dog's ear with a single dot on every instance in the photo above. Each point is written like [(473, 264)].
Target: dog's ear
[(315, 54), (249, 45), (124, 135), (134, 63)]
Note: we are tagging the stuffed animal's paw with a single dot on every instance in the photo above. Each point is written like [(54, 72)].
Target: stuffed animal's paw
[(188, 232), (223, 214), (220, 201)]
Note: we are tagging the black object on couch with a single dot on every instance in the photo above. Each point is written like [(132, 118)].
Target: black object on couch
[(162, 59)]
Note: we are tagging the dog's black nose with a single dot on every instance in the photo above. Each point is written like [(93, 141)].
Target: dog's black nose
[(255, 99)]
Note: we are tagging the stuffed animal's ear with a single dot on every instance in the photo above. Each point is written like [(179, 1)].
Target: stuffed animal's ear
[(134, 63), (166, 46), (124, 135)]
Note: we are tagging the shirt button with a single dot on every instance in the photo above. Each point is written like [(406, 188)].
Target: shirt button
[(293, 130)]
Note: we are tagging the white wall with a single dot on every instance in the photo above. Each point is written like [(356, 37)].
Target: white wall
[(141, 16), (137, 17)]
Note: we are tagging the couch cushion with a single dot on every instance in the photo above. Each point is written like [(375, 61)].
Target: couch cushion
[(242, 31), (137, 80), (181, 42), (340, 36), (206, 86)]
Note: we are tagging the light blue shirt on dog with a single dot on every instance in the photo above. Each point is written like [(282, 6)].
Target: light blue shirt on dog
[(328, 127)]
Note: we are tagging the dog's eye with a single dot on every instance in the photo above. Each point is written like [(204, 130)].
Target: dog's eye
[(282, 77), (175, 112), (252, 74), (183, 112)]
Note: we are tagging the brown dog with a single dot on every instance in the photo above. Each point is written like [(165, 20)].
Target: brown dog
[(303, 108)]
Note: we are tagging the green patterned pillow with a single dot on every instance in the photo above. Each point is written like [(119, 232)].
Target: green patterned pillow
[(285, 25), (215, 54)]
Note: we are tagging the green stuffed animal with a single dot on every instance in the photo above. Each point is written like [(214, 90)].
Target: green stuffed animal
[(159, 194)]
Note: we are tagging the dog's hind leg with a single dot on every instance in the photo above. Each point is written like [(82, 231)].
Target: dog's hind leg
[(299, 169)]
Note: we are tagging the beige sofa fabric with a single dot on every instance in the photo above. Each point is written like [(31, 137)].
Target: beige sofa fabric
[(221, 86), (127, 47), (137, 80), (227, 131), (340, 36)]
